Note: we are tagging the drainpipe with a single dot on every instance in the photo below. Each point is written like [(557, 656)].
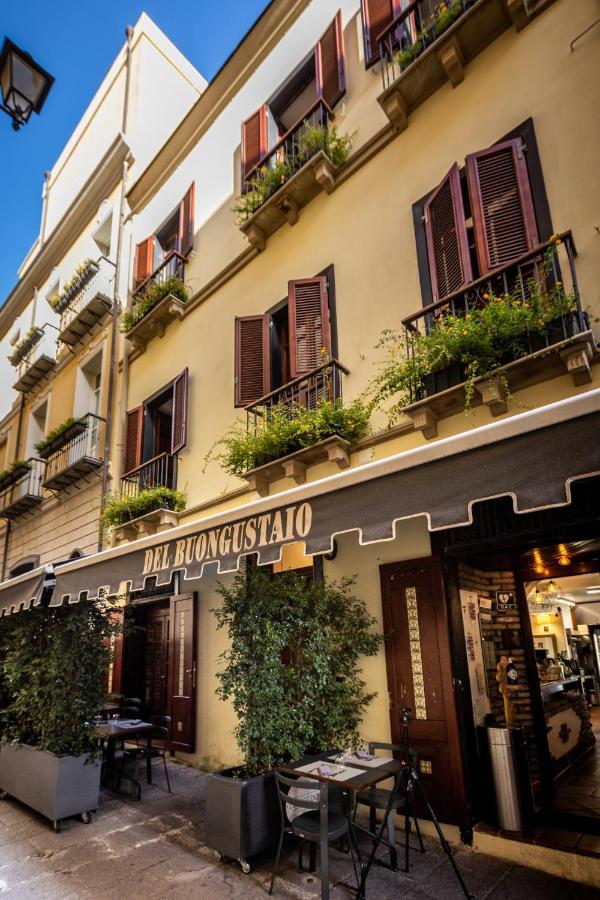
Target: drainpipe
[(114, 338), (8, 524), (45, 190)]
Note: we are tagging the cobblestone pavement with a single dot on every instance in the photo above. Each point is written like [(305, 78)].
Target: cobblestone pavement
[(154, 848)]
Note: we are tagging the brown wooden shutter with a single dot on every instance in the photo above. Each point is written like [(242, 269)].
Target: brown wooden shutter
[(377, 15), (186, 221), (254, 140), (446, 232), (133, 441), (179, 420), (503, 212), (252, 359), (144, 260), (329, 63), (115, 685), (182, 672), (308, 311)]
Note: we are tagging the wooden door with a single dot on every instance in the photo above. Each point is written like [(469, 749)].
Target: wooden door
[(420, 677), (182, 672), (156, 661)]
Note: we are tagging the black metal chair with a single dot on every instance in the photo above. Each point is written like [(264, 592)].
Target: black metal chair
[(377, 799), (157, 749), (315, 824)]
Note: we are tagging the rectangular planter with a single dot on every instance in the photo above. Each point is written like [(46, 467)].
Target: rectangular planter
[(555, 331), (242, 816), (59, 442), (435, 382), (55, 786)]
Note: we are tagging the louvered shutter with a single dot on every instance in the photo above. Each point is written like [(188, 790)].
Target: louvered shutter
[(179, 419), (186, 222), (133, 440), (254, 140), (329, 63), (377, 15), (144, 260), (310, 333), (252, 359), (503, 212), (447, 242)]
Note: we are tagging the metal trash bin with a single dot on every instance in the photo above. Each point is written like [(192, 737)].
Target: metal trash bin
[(502, 742)]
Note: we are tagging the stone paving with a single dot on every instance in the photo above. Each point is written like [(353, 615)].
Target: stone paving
[(154, 849)]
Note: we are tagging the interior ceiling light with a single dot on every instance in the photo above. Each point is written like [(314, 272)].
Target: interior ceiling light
[(593, 590)]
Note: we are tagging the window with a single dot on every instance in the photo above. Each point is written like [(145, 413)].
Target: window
[(37, 427), (286, 342), (378, 14), (88, 393), (176, 234), (28, 564), (482, 217), (321, 76), (159, 425), (102, 230)]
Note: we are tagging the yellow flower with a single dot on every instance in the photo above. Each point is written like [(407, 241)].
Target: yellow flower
[(553, 237), (486, 296), (559, 284)]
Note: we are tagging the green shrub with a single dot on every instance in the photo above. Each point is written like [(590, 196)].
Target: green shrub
[(124, 509), (25, 345), (293, 666), (6, 475), (154, 294), (287, 429), (57, 432), (61, 300)]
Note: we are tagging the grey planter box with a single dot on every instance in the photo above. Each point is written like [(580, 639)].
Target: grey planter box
[(55, 786), (242, 816)]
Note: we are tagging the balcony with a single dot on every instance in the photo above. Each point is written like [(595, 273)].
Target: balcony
[(24, 491), (306, 171), (86, 303), (565, 344), (308, 391), (75, 454), (34, 358), (421, 50), (161, 471), (160, 299)]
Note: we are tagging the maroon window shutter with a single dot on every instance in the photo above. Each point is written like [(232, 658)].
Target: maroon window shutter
[(252, 359), (503, 213), (254, 140), (179, 420), (329, 63), (133, 440), (144, 260), (377, 15), (182, 672), (310, 333), (186, 221), (447, 242)]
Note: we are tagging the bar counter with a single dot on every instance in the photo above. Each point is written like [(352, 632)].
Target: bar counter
[(570, 734)]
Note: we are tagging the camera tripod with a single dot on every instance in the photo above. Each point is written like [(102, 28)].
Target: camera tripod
[(409, 783)]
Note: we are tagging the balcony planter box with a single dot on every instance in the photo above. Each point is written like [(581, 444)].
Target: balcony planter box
[(55, 786), (155, 322), (59, 442), (556, 331), (153, 522), (438, 381), (333, 449), (242, 815), (13, 476)]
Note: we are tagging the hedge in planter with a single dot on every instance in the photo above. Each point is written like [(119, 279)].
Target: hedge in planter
[(13, 472), (70, 427), (120, 510)]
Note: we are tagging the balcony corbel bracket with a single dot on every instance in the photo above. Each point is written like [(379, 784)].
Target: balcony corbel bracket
[(256, 237), (395, 108), (289, 208), (517, 10), (295, 469), (177, 310), (577, 362), (260, 485), (339, 456), (424, 420), (324, 175), (451, 57), (494, 393)]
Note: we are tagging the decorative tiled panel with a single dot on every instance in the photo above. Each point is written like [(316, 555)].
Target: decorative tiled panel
[(414, 640)]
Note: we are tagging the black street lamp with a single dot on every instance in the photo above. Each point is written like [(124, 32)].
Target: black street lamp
[(23, 83)]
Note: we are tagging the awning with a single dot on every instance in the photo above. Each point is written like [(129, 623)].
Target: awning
[(533, 457), (22, 592)]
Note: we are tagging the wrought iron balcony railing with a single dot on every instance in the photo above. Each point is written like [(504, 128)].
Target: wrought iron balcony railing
[(414, 30), (160, 471), (323, 383), (293, 150), (79, 455), (171, 267), (538, 270), (88, 300), (25, 492)]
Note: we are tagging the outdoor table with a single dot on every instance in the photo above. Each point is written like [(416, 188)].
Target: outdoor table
[(367, 776), (113, 731)]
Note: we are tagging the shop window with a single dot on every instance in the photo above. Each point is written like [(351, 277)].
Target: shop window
[(175, 236), (483, 216), (290, 340), (159, 425)]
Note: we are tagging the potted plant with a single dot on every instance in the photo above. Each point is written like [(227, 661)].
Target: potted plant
[(120, 510), (13, 472), (25, 345), (293, 674), (155, 292), (59, 436), (83, 273), (53, 670)]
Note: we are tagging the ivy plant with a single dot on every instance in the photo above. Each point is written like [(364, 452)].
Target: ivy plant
[(120, 510), (154, 294), (53, 670), (293, 667)]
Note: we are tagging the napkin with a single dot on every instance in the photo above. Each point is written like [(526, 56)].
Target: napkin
[(325, 771), (362, 754)]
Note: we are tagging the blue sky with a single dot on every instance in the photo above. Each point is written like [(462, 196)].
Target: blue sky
[(77, 40)]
